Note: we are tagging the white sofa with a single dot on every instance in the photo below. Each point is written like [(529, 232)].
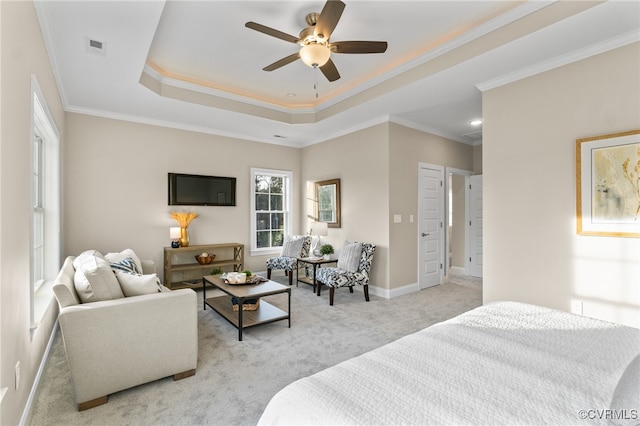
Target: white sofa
[(112, 345)]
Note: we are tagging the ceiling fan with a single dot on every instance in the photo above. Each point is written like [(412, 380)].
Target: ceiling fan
[(314, 41)]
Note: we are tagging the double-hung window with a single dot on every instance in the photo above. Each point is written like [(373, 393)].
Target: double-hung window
[(270, 209), (45, 204)]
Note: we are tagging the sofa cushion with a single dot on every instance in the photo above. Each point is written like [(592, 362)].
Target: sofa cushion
[(95, 281), (118, 257), (349, 258), (126, 265), (138, 284)]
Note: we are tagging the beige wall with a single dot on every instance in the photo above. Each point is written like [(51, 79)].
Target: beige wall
[(378, 168), (531, 250), (360, 161), (407, 148), (477, 160), (22, 53), (116, 186)]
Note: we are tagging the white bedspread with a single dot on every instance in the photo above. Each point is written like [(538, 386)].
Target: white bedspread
[(504, 363)]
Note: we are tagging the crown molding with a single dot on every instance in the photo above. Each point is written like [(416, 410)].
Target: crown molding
[(559, 61), (174, 125)]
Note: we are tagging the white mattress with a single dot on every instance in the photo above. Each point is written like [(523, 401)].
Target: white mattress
[(504, 363)]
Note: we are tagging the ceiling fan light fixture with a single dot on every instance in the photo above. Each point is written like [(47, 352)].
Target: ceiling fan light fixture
[(315, 55)]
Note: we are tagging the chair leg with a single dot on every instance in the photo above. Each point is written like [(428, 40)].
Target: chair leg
[(366, 292), (350, 289), (331, 291), (290, 277), (268, 273)]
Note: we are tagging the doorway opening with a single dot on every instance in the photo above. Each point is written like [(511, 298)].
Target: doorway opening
[(460, 250)]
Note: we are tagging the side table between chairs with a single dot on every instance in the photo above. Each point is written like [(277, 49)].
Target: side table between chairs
[(315, 262)]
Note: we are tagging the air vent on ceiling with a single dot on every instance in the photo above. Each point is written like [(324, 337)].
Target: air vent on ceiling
[(95, 47), (474, 136), (279, 136)]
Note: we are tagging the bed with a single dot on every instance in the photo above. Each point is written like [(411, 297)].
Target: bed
[(502, 363)]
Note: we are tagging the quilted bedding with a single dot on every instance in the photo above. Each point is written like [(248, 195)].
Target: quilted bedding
[(503, 363)]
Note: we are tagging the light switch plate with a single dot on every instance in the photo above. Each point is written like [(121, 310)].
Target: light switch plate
[(397, 218)]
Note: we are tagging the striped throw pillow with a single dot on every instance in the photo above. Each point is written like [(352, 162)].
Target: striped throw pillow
[(349, 258)]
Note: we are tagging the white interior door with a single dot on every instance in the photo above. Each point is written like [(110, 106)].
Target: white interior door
[(430, 225), (475, 226)]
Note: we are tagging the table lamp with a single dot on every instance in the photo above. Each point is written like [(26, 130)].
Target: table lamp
[(174, 234), (320, 229)]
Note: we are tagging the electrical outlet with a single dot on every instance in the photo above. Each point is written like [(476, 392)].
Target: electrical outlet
[(576, 307), (17, 375)]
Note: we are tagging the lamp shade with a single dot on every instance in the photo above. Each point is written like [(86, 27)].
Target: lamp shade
[(314, 54), (174, 232), (320, 229)]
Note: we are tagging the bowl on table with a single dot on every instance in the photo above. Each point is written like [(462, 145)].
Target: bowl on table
[(205, 258)]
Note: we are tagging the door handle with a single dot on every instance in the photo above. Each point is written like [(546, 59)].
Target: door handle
[(424, 235)]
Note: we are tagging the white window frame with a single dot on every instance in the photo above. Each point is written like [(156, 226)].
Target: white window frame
[(45, 173), (288, 179)]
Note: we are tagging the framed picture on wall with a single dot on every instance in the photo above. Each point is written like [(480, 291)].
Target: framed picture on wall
[(608, 185)]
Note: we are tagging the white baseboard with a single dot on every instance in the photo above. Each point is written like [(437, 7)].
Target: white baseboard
[(26, 413), (459, 270)]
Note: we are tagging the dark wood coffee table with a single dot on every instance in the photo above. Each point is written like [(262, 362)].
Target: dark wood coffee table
[(265, 313)]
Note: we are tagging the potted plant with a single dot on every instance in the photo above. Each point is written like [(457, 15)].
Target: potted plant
[(326, 250)]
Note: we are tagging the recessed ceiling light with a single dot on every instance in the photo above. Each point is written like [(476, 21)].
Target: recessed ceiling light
[(476, 122)]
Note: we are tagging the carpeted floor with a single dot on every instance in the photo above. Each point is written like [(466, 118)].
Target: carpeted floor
[(235, 380)]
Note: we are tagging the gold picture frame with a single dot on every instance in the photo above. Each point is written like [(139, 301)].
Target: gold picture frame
[(608, 185)]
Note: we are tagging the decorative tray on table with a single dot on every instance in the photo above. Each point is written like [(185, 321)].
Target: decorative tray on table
[(232, 278)]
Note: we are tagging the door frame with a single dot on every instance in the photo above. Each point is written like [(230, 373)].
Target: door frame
[(467, 199), (470, 235), (441, 201)]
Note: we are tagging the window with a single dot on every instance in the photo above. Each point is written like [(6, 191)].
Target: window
[(270, 207), (45, 203)]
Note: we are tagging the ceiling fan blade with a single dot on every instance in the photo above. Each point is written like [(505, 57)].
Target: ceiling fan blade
[(328, 18), (359, 46), (330, 71), (282, 62), (272, 32)]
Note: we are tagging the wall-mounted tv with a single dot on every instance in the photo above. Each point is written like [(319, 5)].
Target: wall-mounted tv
[(200, 190)]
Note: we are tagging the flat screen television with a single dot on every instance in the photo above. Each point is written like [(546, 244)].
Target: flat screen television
[(200, 190)]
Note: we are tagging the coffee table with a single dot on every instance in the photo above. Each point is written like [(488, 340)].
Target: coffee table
[(316, 262), (265, 313)]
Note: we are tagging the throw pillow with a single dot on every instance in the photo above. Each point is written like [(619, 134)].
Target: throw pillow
[(293, 246), (95, 281), (90, 253), (349, 258), (126, 265), (118, 257), (136, 285)]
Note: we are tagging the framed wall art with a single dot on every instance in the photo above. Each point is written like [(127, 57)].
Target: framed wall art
[(608, 185)]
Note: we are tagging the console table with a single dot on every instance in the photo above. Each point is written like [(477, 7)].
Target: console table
[(181, 270)]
